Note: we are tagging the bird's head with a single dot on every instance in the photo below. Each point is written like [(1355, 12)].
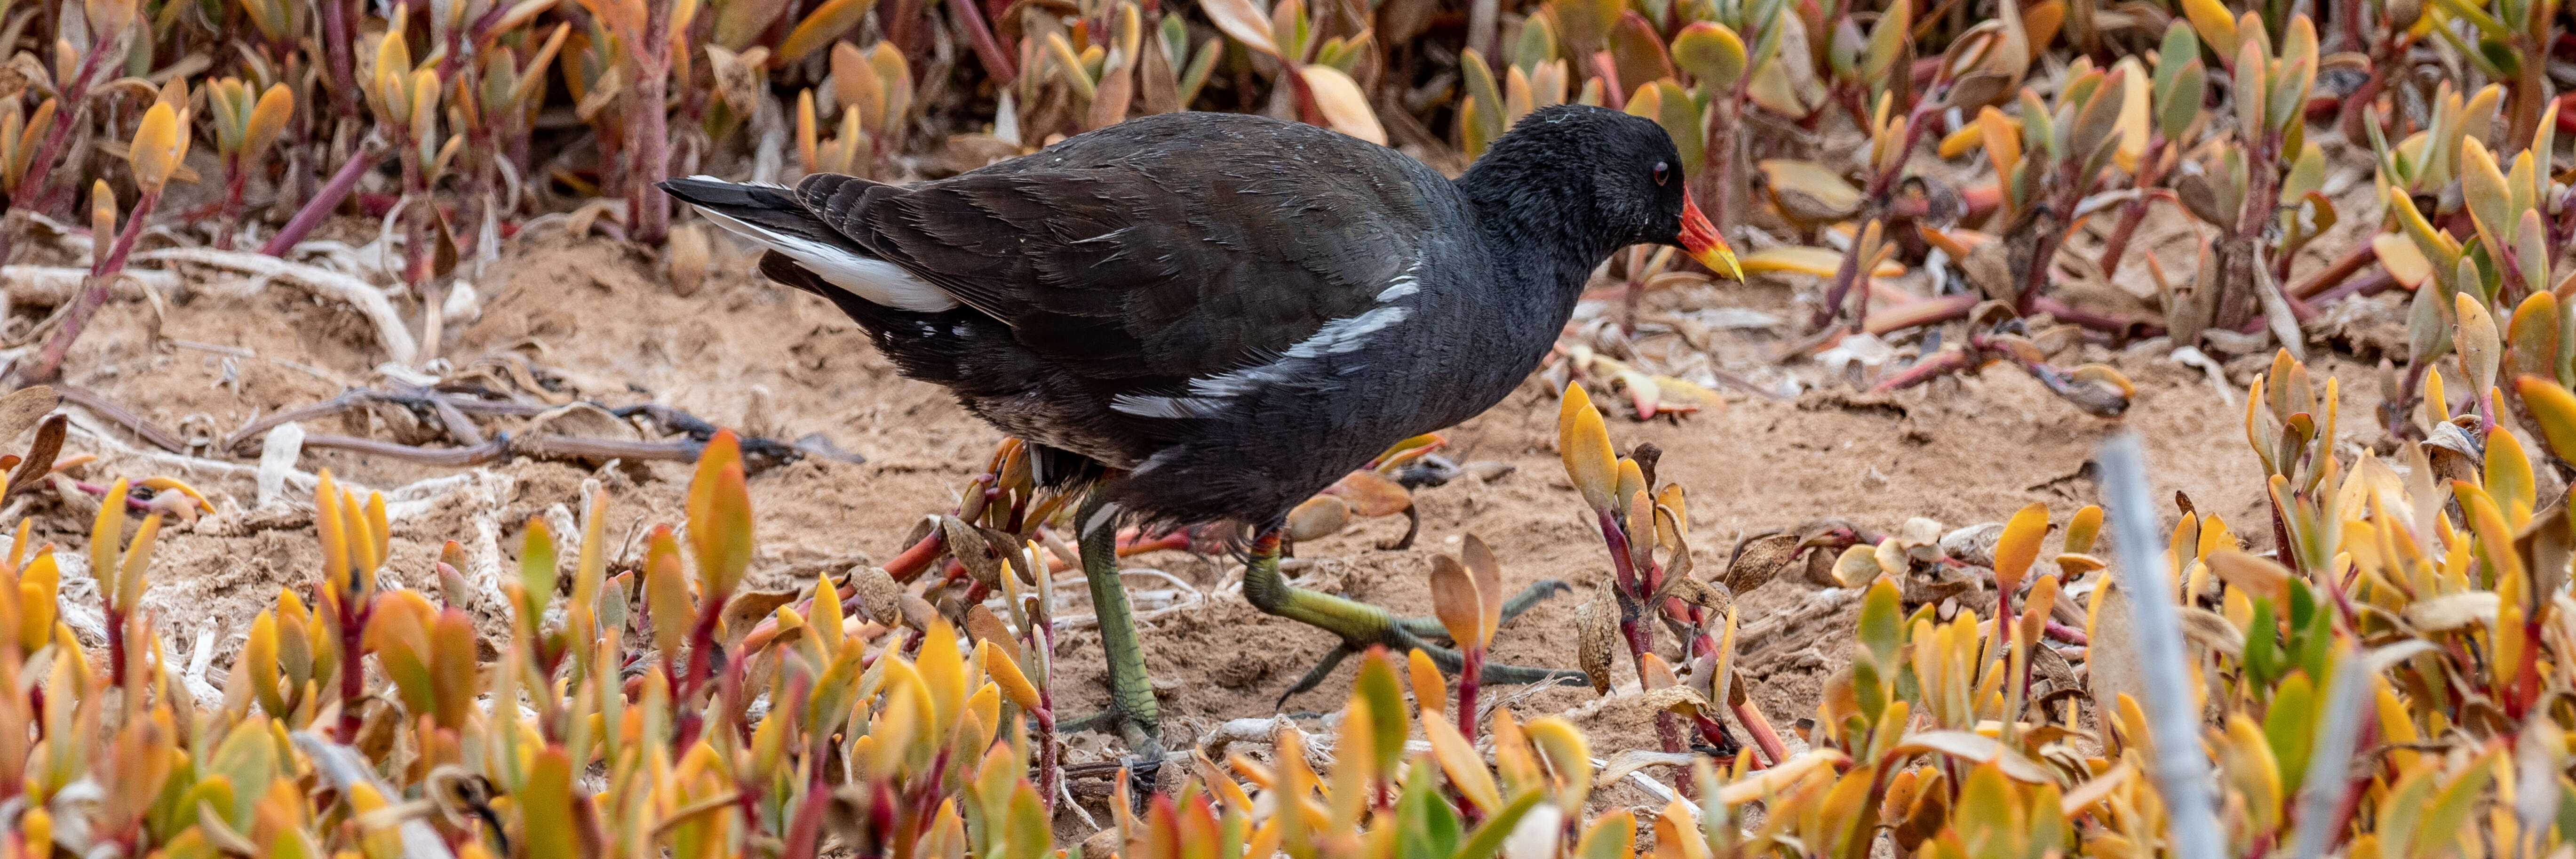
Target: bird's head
[(1637, 192)]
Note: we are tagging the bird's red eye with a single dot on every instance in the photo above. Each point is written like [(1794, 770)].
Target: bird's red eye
[(1663, 173)]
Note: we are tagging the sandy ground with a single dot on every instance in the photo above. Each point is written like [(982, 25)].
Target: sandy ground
[(746, 353)]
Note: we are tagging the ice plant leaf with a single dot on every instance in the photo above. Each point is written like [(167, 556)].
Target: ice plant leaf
[(2019, 545), (2488, 198), (1713, 54), (545, 807), (2480, 351), (1584, 442), (1464, 766), (1006, 674), (1343, 105), (1454, 600), (106, 532), (2554, 409), (1243, 20), (666, 592), (719, 508), (1387, 722), (1487, 571), (826, 23), (1569, 757), (1430, 692)]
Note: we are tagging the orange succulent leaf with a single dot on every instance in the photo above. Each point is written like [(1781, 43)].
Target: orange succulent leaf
[(719, 509), (1584, 442), (2019, 545), (1371, 494)]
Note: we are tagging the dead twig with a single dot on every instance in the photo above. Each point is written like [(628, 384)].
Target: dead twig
[(130, 419)]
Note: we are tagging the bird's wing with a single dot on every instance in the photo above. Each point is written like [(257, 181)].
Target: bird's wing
[(1156, 262)]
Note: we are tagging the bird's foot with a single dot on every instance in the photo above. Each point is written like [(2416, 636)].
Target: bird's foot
[(1142, 733), (1361, 625)]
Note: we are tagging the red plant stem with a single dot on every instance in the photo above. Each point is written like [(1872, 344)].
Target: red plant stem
[(1469, 676), (336, 46), (1949, 360), (31, 186), (2373, 285), (235, 176), (2066, 634), (1632, 590), (2133, 212), (648, 139), (1834, 296), (319, 208), (2353, 261), (353, 676), (988, 47), (115, 644), (94, 292), (702, 643)]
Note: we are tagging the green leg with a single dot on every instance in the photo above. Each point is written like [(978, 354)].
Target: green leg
[(1132, 709), (1361, 625)]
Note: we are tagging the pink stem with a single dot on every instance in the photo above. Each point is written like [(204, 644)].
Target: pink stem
[(320, 207)]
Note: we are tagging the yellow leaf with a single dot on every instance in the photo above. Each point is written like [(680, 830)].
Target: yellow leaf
[(1343, 105), (1006, 674), (2404, 262), (1430, 692), (1584, 442), (1466, 768), (2019, 545), (2217, 26), (157, 148), (2480, 348), (827, 23)]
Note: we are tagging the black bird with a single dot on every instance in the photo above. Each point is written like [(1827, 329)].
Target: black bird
[(1211, 316)]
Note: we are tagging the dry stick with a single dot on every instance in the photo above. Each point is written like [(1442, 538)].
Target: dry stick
[(2181, 768), (114, 412)]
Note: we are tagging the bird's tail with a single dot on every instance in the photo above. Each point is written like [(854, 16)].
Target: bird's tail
[(769, 215)]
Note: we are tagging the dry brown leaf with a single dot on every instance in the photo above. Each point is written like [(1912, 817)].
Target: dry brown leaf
[(1455, 602), (23, 408), (1596, 636), (878, 593)]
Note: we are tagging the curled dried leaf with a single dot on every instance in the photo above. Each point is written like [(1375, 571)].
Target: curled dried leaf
[(1596, 637)]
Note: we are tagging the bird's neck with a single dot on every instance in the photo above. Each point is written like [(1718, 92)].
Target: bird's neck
[(1538, 226)]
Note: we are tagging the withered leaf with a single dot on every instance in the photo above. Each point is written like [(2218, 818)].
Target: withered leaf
[(877, 591), (977, 554), (1761, 559), (23, 407), (1596, 634), (747, 608), (40, 456)]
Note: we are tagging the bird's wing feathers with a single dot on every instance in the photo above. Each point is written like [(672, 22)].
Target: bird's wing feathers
[(1165, 258)]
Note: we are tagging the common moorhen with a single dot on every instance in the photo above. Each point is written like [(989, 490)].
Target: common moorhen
[(1211, 316)]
